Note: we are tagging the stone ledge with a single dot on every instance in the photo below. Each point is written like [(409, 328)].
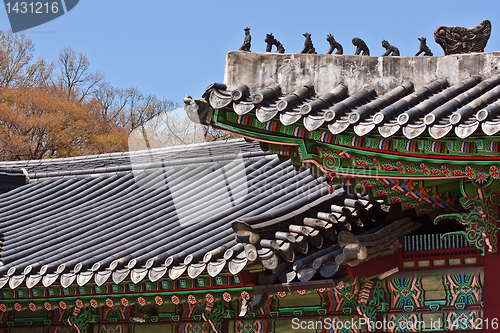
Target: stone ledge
[(290, 71)]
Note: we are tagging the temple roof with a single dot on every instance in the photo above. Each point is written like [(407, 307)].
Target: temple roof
[(133, 160), (169, 212), (437, 109)]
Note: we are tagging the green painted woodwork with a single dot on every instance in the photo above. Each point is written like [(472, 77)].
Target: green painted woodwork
[(376, 304), (400, 297), (248, 124), (481, 220), (285, 326), (307, 300), (374, 162), (462, 320), (463, 290), (371, 157), (458, 289), (434, 289), (214, 315), (82, 317), (154, 328)]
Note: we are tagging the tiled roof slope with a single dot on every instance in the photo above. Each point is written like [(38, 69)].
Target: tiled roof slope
[(113, 219), (439, 108), (144, 159), (174, 211)]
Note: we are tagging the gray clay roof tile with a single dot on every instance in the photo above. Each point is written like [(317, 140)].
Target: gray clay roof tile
[(437, 107), (160, 213)]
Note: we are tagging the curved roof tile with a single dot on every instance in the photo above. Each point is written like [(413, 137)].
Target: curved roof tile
[(174, 211), (110, 216), (437, 107)]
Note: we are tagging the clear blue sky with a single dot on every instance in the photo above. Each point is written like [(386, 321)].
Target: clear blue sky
[(174, 48)]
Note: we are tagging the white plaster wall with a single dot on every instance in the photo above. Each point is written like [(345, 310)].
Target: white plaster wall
[(291, 71)]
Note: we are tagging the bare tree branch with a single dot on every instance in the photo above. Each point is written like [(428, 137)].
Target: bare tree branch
[(75, 77), (16, 67)]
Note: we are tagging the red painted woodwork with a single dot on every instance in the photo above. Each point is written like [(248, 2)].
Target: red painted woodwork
[(491, 307), (442, 254), (248, 279), (375, 266), (383, 264)]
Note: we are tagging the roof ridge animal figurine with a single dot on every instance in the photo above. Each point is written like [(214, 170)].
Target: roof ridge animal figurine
[(423, 48), (270, 40), (308, 45), (389, 49), (458, 40), (334, 45), (361, 47), (246, 42)]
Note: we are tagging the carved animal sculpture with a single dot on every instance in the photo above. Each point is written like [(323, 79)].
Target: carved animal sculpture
[(423, 48), (246, 42), (270, 40), (334, 45), (198, 110), (389, 49), (360, 46), (308, 45), (457, 40)]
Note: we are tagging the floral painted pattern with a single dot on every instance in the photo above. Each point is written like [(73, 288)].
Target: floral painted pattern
[(62, 305), (191, 299), (158, 300), (17, 306), (124, 301), (425, 169), (400, 167), (93, 303), (141, 301), (79, 303), (445, 171), (226, 296), (494, 172), (32, 307), (209, 298), (469, 172), (175, 300), (109, 302)]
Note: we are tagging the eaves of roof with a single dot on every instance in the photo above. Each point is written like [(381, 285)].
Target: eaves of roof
[(176, 211), (443, 110), (122, 220)]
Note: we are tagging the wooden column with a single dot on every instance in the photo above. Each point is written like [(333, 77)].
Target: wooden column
[(491, 293)]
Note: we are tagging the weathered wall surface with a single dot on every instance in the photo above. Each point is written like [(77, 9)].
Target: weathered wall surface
[(259, 70)]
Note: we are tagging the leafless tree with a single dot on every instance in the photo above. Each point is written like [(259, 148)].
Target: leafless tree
[(75, 77), (142, 108), (129, 108), (16, 66), (112, 102), (212, 134), (167, 129)]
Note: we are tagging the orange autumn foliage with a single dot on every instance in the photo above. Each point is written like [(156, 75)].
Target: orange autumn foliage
[(40, 123)]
